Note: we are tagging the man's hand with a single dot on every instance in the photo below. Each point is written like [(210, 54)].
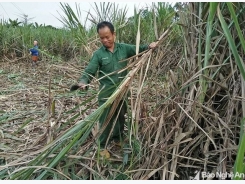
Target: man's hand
[(82, 86), (153, 45)]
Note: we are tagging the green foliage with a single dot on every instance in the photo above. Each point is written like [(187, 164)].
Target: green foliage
[(164, 14), (52, 42), (14, 23), (72, 21), (77, 38), (239, 164), (218, 32), (239, 167)]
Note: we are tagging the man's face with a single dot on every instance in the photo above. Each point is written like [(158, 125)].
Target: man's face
[(106, 37)]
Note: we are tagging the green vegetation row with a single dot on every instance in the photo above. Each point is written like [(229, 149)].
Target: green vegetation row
[(77, 39)]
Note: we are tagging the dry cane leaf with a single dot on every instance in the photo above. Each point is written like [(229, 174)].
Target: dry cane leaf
[(105, 154)]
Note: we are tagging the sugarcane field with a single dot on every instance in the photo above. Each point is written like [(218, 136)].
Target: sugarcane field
[(185, 98)]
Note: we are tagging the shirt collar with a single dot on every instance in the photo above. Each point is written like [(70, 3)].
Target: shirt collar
[(115, 47)]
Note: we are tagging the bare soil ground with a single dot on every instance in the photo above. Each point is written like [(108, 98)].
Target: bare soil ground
[(36, 104), (26, 98)]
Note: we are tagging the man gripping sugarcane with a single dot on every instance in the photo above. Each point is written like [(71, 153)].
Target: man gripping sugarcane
[(106, 60)]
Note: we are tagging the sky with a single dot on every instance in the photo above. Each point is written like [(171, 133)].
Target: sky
[(48, 12)]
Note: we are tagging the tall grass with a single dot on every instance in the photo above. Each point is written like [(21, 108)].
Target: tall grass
[(239, 168), (57, 43), (223, 42)]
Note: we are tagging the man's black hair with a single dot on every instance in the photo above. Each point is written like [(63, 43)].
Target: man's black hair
[(105, 24)]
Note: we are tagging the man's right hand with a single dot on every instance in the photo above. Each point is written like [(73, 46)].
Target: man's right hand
[(82, 86)]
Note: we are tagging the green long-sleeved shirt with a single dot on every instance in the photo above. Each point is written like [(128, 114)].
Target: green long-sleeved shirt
[(107, 62)]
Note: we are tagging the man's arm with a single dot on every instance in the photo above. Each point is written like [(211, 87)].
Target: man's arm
[(131, 49), (89, 72)]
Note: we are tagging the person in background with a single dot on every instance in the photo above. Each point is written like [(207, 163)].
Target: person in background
[(106, 60), (34, 53)]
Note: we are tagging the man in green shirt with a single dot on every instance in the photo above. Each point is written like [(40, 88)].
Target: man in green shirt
[(106, 61)]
